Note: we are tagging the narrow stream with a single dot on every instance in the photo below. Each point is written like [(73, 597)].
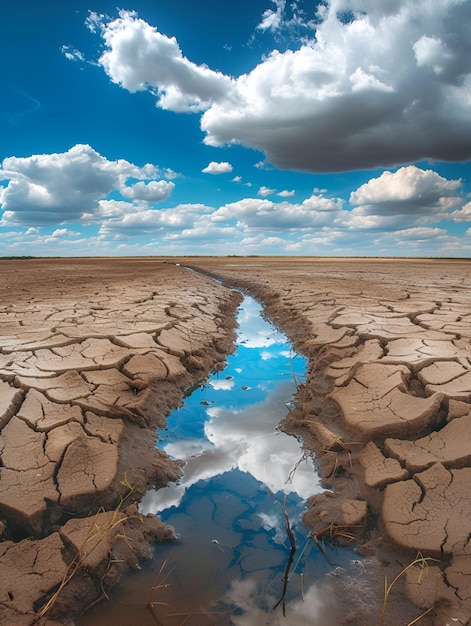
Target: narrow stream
[(243, 479)]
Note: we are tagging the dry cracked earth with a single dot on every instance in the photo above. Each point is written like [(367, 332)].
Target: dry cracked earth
[(94, 353)]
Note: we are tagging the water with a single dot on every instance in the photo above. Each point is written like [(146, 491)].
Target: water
[(243, 479)]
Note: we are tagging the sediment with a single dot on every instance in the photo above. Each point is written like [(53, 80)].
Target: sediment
[(94, 353)]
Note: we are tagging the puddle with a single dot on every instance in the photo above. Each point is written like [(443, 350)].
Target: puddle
[(241, 478)]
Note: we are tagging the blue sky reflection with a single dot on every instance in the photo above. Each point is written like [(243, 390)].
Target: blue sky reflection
[(231, 422), (240, 472)]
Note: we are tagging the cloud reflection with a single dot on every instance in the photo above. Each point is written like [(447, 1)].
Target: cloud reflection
[(240, 427), (266, 454), (246, 468), (222, 385), (254, 332), (317, 607), (244, 438)]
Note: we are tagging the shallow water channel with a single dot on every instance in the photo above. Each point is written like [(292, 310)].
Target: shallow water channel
[(242, 477)]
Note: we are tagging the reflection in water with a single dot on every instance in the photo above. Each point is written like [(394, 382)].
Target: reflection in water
[(231, 422), (241, 474)]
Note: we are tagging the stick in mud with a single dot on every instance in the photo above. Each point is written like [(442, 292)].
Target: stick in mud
[(289, 563)]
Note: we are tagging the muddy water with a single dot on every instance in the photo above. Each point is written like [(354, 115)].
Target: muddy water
[(243, 479)]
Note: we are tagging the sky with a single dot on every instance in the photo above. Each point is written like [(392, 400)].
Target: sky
[(256, 127)]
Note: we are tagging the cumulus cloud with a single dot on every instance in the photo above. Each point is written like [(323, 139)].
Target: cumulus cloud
[(265, 191), (154, 191), (218, 168), (138, 57), (463, 214), (263, 214), (263, 165), (144, 221), (393, 213), (408, 198), (409, 190), (388, 86), (66, 187), (358, 96), (62, 232)]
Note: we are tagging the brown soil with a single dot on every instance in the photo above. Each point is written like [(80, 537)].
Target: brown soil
[(93, 356), (94, 353)]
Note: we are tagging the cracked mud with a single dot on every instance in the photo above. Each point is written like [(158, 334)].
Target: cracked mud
[(95, 353), (93, 356)]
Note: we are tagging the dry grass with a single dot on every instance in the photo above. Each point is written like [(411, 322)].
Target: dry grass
[(419, 562), (96, 534)]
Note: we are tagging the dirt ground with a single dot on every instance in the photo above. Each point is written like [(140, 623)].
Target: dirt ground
[(94, 353)]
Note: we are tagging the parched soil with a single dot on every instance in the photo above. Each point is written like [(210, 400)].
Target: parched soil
[(93, 356), (94, 353)]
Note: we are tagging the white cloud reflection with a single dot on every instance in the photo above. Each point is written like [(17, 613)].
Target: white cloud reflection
[(244, 440), (243, 437), (222, 385), (317, 607), (254, 331)]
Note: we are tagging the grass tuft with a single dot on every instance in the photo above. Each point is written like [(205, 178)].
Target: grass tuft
[(95, 532), (420, 561)]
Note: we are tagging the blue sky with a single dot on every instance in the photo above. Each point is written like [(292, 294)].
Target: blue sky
[(172, 127)]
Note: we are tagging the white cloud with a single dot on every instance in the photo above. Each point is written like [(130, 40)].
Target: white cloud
[(410, 190), (357, 96), (108, 209), (236, 179), (286, 21), (265, 191), (72, 54), (207, 235), (463, 214), (388, 85), (63, 232), (31, 241), (169, 174), (266, 215), (420, 233), (138, 57), (418, 241), (218, 168), (262, 165), (399, 212), (94, 21), (142, 221), (273, 19), (154, 191), (286, 193), (69, 186), (408, 198)]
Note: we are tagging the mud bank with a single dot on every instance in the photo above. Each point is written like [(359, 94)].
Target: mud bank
[(386, 408), (94, 354)]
